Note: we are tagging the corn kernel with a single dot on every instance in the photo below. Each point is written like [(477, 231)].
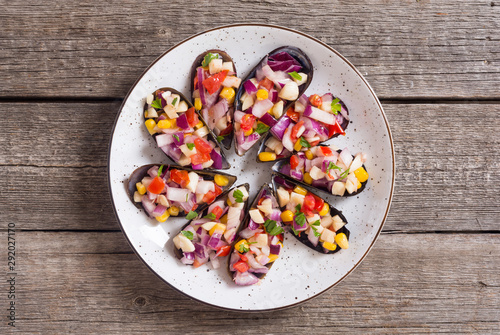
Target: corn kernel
[(287, 216), (361, 174), (238, 245), (164, 124), (262, 94), (228, 94), (223, 219), (221, 180), (267, 156), (329, 246), (249, 132), (341, 240), (325, 210), (174, 211), (300, 190), (150, 124), (173, 123), (198, 125), (164, 217), (359, 185), (307, 178), (197, 104), (218, 226), (272, 257), (297, 145), (229, 202), (309, 155), (140, 188), (137, 197)]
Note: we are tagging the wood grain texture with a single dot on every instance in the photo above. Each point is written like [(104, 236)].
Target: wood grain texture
[(430, 49), (92, 283), (446, 181)]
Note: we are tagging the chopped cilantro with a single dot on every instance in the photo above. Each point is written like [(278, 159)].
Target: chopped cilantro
[(220, 138), (261, 128), (156, 104), (238, 196), (333, 166), (191, 215), (294, 231), (304, 143), (208, 58), (295, 75), (298, 207), (159, 170), (176, 137), (242, 248), (344, 174), (313, 226), (190, 146), (174, 101), (210, 216), (336, 106), (300, 219), (188, 234), (272, 228)]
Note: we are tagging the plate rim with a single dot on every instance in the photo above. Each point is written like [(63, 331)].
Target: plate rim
[(372, 92)]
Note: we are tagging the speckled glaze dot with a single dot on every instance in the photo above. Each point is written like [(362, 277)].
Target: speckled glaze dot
[(300, 273)]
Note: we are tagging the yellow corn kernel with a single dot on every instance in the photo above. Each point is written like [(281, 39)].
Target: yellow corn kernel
[(218, 226), (238, 245), (223, 219), (267, 156), (198, 125), (228, 94), (197, 104), (329, 246), (341, 240), (272, 257), (221, 180), (359, 185), (309, 155), (140, 188), (229, 202), (361, 174), (325, 210), (287, 216), (270, 111), (173, 123), (262, 94), (164, 217), (174, 211), (249, 132), (297, 145), (150, 124), (300, 190), (307, 178), (164, 124)]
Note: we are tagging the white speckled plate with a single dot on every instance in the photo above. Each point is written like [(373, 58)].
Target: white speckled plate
[(300, 273)]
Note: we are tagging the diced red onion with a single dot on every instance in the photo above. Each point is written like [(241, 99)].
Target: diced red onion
[(322, 184), (253, 225), (275, 249), (159, 210), (187, 261), (164, 139), (320, 115), (200, 74), (245, 278), (153, 171), (214, 240), (197, 167), (278, 130), (312, 238), (247, 232), (177, 194), (275, 215), (152, 196), (238, 115), (217, 158), (214, 260), (285, 169), (268, 119), (346, 157), (182, 122), (250, 88), (249, 141), (296, 174), (297, 227), (200, 250), (260, 107)]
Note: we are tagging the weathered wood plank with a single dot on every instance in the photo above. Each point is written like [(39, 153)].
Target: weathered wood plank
[(406, 48), (448, 167), (91, 283)]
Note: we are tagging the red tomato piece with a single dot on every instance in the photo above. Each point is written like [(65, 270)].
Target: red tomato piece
[(247, 122), (326, 151), (318, 203), (243, 257), (315, 100), (213, 83), (196, 264), (294, 162), (223, 251), (241, 266), (314, 143), (202, 146), (209, 197), (335, 129), (180, 177), (217, 211), (218, 190), (292, 114), (192, 117), (309, 203), (156, 186), (266, 83), (295, 130)]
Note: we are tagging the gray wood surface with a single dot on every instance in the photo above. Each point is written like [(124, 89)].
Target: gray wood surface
[(65, 68)]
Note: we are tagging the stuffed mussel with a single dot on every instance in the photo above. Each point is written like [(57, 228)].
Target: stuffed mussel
[(260, 243), (214, 83), (180, 133), (327, 169), (209, 236), (270, 88), (169, 190), (311, 120), (311, 219)]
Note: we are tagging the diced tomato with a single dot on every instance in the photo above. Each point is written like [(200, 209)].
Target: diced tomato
[(156, 186), (223, 251), (197, 159), (243, 257), (202, 146), (192, 117), (326, 151), (318, 206), (295, 130), (196, 263), (309, 204), (195, 83), (241, 266), (209, 197), (315, 100), (294, 162), (180, 177), (218, 190), (194, 207), (217, 211), (314, 143), (213, 83), (227, 131), (292, 114), (247, 122), (266, 83), (335, 129)]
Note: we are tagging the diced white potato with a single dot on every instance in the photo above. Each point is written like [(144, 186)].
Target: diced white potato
[(231, 81), (208, 225), (184, 160), (326, 221), (196, 94), (202, 132), (177, 242), (183, 243), (302, 80), (319, 229), (170, 110), (186, 151), (174, 98), (337, 222), (247, 103), (244, 191), (313, 218), (350, 186), (278, 109), (215, 66), (228, 66), (146, 181), (193, 181), (149, 99), (290, 91), (327, 236), (338, 188), (166, 94), (207, 164), (297, 198), (199, 197), (283, 197), (183, 106), (266, 207), (299, 108), (137, 197), (256, 216), (151, 112), (316, 173), (261, 241), (221, 123), (162, 200), (356, 163)]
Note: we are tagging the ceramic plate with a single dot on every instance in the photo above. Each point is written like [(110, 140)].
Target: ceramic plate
[(300, 273)]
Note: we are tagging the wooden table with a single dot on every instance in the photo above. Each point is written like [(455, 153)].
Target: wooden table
[(65, 68)]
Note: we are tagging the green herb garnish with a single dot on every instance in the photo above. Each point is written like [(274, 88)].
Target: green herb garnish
[(298, 207), (300, 219), (272, 228), (156, 104), (159, 170), (174, 101), (295, 75), (313, 226), (210, 216), (176, 137), (304, 143), (188, 234), (238, 196), (344, 174), (208, 58), (220, 138), (261, 128), (294, 231), (336, 106), (333, 166), (190, 146), (242, 248), (191, 215)]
